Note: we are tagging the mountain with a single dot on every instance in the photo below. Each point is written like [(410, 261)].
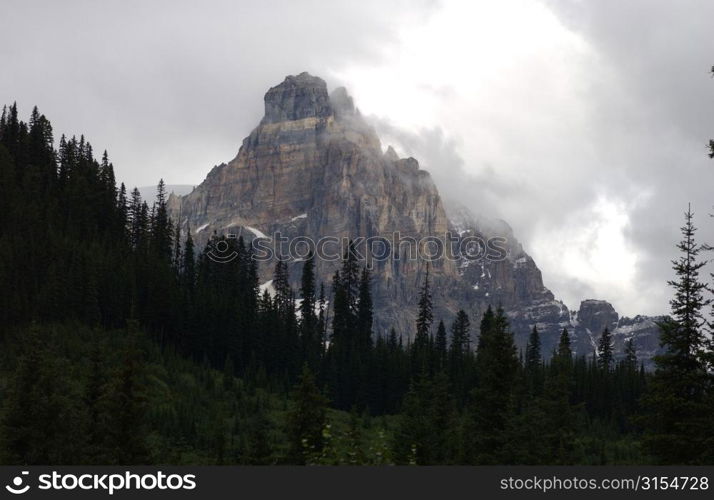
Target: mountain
[(314, 168)]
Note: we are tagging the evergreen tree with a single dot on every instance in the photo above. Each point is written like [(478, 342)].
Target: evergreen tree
[(491, 410), (459, 355), (188, 263), (177, 248), (605, 351), (678, 424), (440, 347), (306, 420), (42, 422), (125, 408), (309, 335), (534, 362), (426, 432), (161, 237), (425, 317), (350, 341), (557, 426), (631, 354)]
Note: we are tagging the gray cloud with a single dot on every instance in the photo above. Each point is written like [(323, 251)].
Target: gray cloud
[(653, 127), (172, 87)]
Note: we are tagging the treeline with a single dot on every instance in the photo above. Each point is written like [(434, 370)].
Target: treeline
[(79, 255)]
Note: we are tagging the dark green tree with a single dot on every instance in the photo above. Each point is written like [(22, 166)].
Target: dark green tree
[(306, 419), (440, 347), (605, 351), (421, 348), (678, 426), (534, 362), (491, 409), (427, 429)]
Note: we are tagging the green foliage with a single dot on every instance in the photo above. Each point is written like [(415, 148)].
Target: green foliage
[(492, 405), (306, 419)]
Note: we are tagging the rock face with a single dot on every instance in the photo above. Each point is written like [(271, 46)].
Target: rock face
[(314, 168), (297, 98), (596, 315)]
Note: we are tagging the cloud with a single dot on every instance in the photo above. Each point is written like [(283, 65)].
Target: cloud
[(172, 87), (546, 115), (582, 124)]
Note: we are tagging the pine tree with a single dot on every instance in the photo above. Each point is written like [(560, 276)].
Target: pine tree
[(93, 398), (557, 427), (459, 354), (306, 420), (188, 263), (678, 424), (177, 248), (42, 422), (564, 352), (441, 347), (534, 362), (125, 407), (350, 342), (309, 335), (427, 425), (491, 410), (161, 230), (425, 317), (605, 350), (631, 354)]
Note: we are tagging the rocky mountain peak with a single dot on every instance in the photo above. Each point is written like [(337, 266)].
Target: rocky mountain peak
[(596, 315), (315, 168), (296, 98)]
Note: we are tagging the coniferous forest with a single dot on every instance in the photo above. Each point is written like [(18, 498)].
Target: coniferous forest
[(123, 343)]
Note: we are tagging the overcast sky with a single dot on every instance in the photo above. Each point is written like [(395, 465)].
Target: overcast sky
[(582, 124)]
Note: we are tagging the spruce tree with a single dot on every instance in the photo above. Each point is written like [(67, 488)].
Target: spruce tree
[(441, 347), (42, 422), (605, 351), (491, 409), (678, 426), (631, 354), (534, 362), (188, 263), (309, 335), (125, 407), (161, 230), (557, 426), (427, 424), (421, 347), (306, 419), (459, 354)]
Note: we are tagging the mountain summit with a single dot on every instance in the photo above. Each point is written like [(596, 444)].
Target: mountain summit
[(314, 168), (298, 97)]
